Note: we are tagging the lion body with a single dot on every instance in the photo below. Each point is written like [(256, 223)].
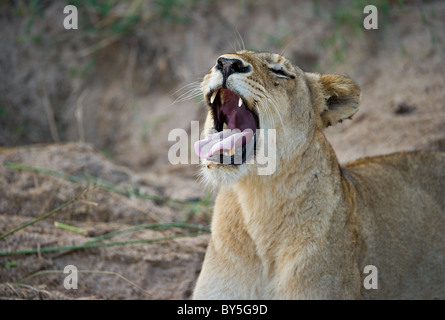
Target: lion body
[(401, 218), (309, 230)]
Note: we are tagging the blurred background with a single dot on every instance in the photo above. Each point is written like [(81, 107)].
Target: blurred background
[(112, 81), (101, 100)]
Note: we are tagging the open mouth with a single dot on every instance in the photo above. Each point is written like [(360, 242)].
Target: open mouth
[(235, 126)]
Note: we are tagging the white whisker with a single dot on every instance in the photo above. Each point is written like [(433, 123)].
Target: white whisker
[(240, 43), (266, 107), (185, 87), (266, 110), (191, 90), (272, 120), (194, 91), (277, 109)]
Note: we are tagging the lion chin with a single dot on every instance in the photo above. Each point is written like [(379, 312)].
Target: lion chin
[(289, 222)]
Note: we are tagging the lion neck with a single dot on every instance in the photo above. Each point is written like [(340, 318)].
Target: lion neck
[(299, 198)]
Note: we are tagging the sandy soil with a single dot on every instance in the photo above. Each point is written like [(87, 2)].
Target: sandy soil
[(165, 269), (400, 68)]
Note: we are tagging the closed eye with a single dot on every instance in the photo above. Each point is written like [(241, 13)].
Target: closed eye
[(280, 73)]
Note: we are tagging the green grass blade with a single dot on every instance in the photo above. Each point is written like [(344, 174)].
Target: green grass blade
[(70, 228), (46, 215), (96, 245), (167, 225), (104, 185)]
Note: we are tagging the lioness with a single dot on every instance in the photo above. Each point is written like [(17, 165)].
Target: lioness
[(309, 229)]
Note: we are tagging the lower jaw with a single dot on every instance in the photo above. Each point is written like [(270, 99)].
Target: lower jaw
[(240, 157)]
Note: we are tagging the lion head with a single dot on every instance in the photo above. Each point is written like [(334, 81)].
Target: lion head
[(260, 105)]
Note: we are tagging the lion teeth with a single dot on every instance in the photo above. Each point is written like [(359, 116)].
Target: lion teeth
[(212, 98), (229, 153), (240, 102)]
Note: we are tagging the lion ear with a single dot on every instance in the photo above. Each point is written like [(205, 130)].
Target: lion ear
[(342, 97)]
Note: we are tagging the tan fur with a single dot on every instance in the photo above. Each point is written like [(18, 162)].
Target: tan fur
[(308, 230)]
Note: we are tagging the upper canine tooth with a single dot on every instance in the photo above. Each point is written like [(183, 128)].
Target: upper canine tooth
[(240, 102), (212, 98)]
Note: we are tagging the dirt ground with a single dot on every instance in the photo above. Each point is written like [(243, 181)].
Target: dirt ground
[(106, 133), (165, 270)]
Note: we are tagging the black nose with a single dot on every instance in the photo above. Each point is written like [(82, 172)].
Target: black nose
[(230, 66)]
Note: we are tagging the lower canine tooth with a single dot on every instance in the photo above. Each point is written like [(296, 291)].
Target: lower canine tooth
[(240, 102), (229, 153)]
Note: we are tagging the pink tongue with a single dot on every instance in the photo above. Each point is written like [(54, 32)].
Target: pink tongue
[(224, 140)]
